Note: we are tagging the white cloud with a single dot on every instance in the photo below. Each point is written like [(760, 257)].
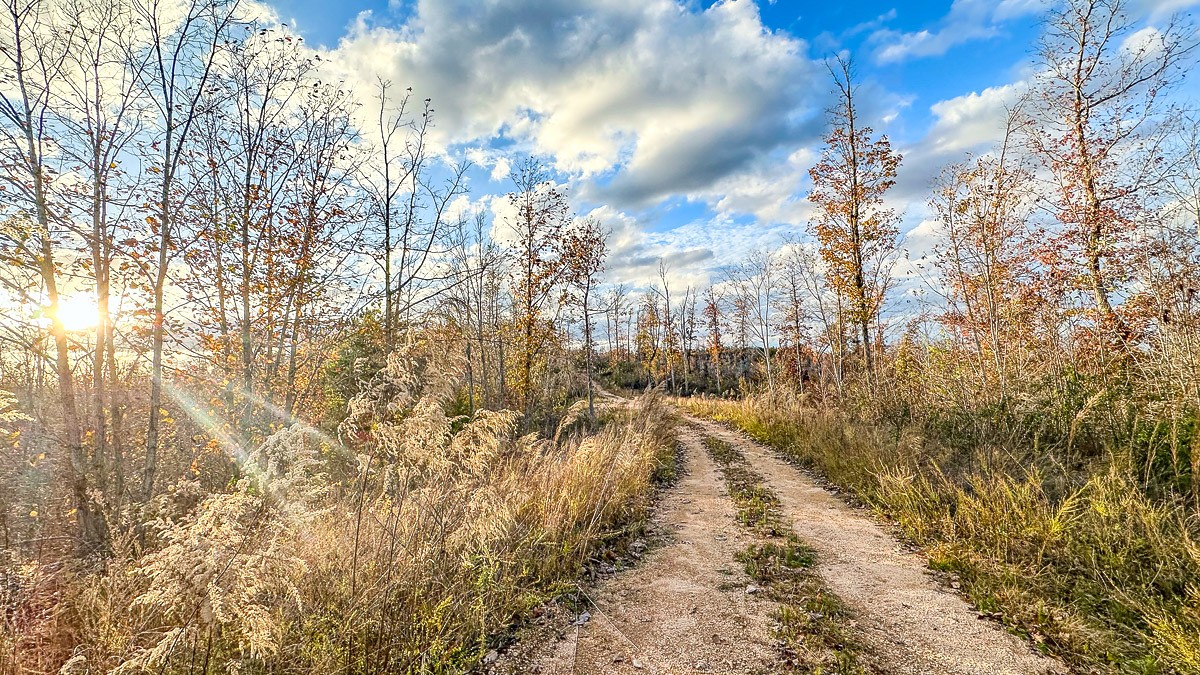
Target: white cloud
[(972, 120), (1145, 43), (970, 20), (872, 25), (501, 169), (655, 97), (772, 190), (972, 123), (634, 254), (637, 101), (503, 217), (497, 163), (966, 21)]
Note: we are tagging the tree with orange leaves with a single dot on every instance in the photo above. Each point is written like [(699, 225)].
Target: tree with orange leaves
[(542, 216), (583, 252), (1097, 98), (857, 234), (984, 260)]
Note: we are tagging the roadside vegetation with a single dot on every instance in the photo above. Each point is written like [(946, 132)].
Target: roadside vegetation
[(1081, 560), (416, 553)]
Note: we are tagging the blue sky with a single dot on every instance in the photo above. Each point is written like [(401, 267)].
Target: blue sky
[(688, 127)]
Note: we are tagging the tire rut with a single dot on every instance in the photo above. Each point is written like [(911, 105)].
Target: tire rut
[(911, 625)]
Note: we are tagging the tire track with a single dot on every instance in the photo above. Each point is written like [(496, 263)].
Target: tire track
[(910, 623)]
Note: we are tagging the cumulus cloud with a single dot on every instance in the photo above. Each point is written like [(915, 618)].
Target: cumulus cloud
[(974, 119), (972, 123), (694, 253), (634, 254), (1147, 42), (646, 98), (497, 163), (501, 169), (772, 190)]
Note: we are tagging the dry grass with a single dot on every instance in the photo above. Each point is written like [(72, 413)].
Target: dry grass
[(1096, 572), (441, 535)]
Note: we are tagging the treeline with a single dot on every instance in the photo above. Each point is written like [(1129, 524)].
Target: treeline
[(205, 239)]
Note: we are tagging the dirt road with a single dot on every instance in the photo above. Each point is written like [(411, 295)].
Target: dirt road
[(686, 608), (910, 623)]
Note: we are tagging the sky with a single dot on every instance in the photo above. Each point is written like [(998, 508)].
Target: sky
[(688, 127)]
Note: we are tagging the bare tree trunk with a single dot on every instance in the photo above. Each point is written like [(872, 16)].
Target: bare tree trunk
[(175, 76), (158, 330), (28, 114), (587, 346), (117, 412)]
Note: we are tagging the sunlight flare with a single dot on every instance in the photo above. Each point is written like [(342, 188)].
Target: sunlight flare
[(78, 313)]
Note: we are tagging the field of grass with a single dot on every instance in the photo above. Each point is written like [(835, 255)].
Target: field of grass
[(1091, 569), (419, 555)]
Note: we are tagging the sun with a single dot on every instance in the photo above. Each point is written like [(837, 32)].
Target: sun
[(78, 313)]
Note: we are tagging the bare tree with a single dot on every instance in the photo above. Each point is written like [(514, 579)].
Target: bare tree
[(827, 308), (399, 141), (670, 336), (753, 284), (1180, 174), (687, 332), (409, 206), (713, 319), (794, 306), (100, 113), (182, 52), (1096, 101)]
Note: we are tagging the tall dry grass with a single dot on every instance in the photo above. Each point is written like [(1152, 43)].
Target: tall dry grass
[(411, 548), (1082, 561)]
